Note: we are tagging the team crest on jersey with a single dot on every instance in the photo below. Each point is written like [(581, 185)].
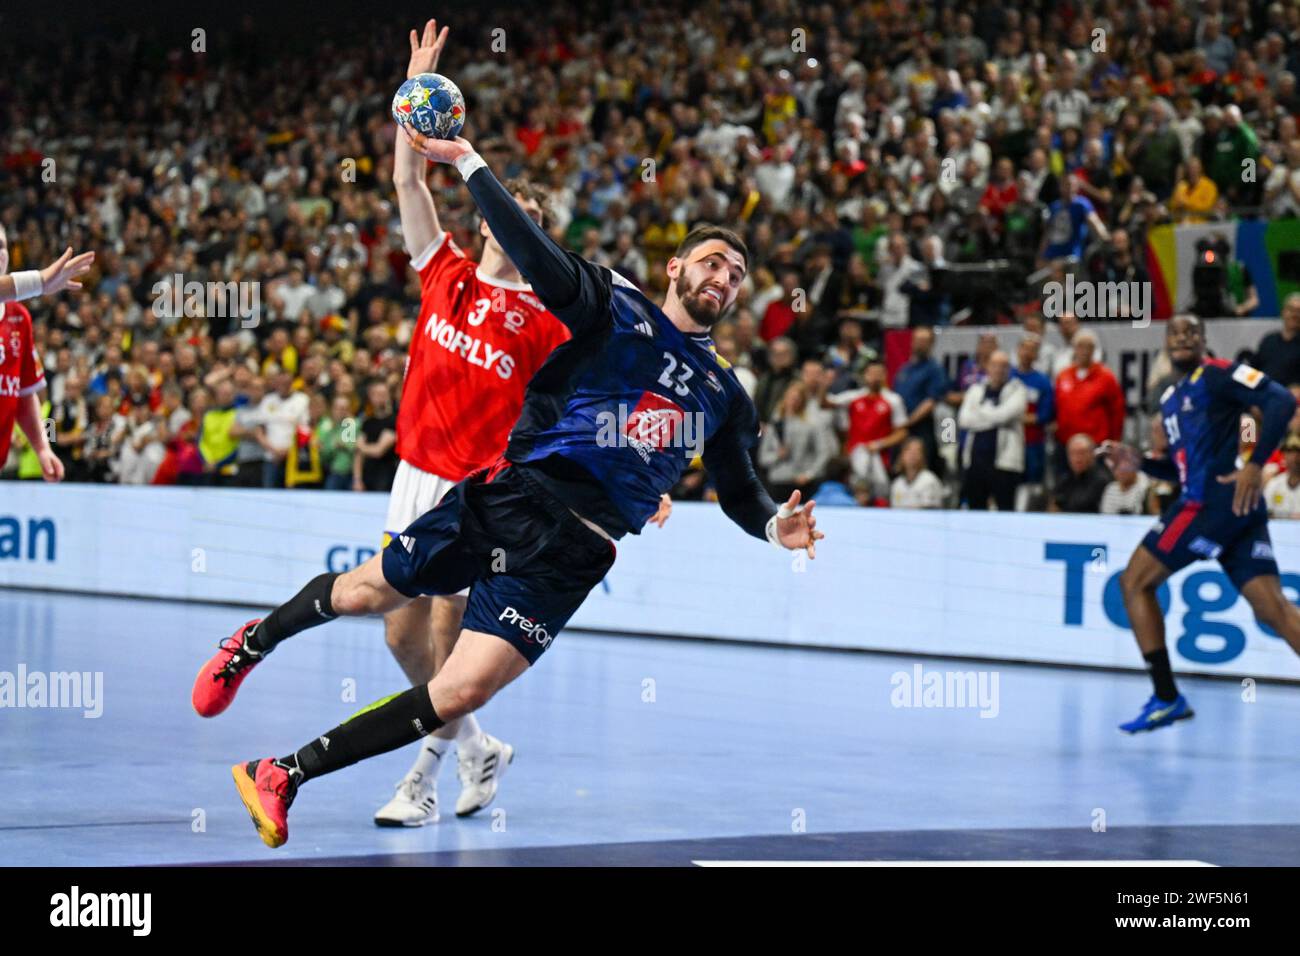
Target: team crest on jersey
[(653, 424), (1187, 403)]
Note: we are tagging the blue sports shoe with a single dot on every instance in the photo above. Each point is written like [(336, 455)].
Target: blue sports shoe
[(1159, 713)]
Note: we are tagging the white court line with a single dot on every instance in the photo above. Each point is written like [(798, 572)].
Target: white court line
[(1098, 863)]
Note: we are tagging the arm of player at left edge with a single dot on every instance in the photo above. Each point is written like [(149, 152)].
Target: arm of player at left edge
[(33, 426)]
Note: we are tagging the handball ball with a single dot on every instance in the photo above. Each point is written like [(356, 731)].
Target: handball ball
[(430, 104)]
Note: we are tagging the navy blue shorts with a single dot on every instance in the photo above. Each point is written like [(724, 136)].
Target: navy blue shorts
[(1192, 531), (527, 560)]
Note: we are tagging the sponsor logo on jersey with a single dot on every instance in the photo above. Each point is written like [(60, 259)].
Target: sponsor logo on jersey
[(655, 424), (10, 386), (473, 350), (1262, 549), (534, 632), (1205, 547), (1250, 377)]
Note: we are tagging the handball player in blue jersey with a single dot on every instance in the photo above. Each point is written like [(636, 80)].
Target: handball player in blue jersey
[(609, 423), (1220, 513)]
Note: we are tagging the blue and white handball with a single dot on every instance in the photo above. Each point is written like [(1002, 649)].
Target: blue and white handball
[(431, 104)]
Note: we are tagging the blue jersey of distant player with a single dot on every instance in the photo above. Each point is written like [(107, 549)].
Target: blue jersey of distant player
[(1202, 417), (631, 400)]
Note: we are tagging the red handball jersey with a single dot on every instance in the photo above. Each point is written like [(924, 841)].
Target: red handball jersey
[(476, 344), (20, 368)]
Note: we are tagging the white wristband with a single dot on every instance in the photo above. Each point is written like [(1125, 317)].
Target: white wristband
[(28, 285), (770, 531), (468, 164)]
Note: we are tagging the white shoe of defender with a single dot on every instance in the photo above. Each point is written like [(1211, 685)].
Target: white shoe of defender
[(414, 804), (480, 773)]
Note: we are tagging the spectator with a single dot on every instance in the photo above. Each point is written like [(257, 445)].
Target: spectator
[(1067, 224), (140, 452), (1278, 353), (921, 383), (1282, 493), (915, 485), (1089, 400), (1079, 491), (876, 424), (375, 465), (781, 355), (993, 453), (898, 269), (279, 415), (217, 441), (1127, 494), (1040, 414), (1195, 196), (336, 434), (835, 491), (796, 445)]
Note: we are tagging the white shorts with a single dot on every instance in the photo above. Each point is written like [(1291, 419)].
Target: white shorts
[(414, 493)]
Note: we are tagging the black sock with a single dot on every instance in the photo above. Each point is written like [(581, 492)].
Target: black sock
[(1161, 674), (307, 608), (383, 726)]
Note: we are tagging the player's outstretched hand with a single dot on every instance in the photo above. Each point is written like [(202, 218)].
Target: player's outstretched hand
[(796, 527), (426, 50), (62, 272), (660, 517), (438, 150), (1250, 484), (51, 466)]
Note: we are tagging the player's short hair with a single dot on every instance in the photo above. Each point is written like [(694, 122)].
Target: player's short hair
[(518, 186), (702, 234)]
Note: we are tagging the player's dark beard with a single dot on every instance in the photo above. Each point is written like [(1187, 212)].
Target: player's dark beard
[(1186, 365), (695, 305)]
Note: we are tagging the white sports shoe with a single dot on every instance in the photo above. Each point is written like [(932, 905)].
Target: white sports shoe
[(480, 773), (414, 804)]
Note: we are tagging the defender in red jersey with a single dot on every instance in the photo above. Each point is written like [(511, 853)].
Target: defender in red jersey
[(479, 337), (21, 373)]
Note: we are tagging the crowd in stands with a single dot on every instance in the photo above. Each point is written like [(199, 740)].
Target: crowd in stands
[(860, 148)]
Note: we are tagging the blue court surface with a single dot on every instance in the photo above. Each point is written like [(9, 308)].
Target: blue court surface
[(633, 751)]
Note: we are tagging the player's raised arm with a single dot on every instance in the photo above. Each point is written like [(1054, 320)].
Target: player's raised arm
[(574, 290), (60, 274), (420, 225)]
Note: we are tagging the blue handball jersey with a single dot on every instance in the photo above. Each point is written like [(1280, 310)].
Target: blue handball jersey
[(1202, 417), (630, 401)]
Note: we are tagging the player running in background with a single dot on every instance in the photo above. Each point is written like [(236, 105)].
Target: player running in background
[(1220, 512), (609, 424), (21, 373)]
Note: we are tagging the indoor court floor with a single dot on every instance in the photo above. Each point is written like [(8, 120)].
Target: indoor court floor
[(633, 751)]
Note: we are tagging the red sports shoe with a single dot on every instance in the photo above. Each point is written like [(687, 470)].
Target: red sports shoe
[(267, 790), (221, 676)]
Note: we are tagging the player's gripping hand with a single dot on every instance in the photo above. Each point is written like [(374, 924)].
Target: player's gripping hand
[(426, 50), (438, 150), (796, 527), (62, 272), (1249, 480)]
